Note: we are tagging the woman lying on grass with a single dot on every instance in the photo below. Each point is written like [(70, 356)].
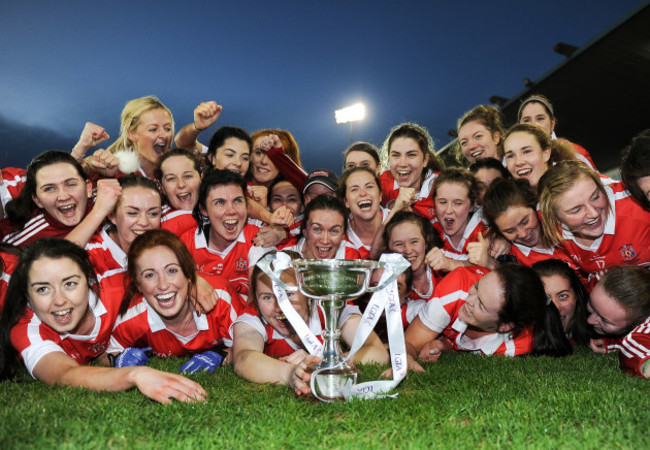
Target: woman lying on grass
[(157, 311), (503, 312), (259, 339), (58, 317), (619, 311)]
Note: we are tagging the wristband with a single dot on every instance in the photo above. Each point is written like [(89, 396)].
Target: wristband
[(197, 128)]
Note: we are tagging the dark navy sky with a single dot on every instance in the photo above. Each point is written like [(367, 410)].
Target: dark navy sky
[(286, 64)]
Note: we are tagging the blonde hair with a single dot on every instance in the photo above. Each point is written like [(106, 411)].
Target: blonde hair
[(556, 181), (130, 119)]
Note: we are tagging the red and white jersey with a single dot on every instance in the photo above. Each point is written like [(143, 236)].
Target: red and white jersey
[(410, 311), (626, 239), (33, 339), (424, 205), (581, 154), (106, 256), (177, 221), (530, 255), (9, 263), (475, 225), (634, 348), (276, 345), (13, 180), (232, 263), (38, 227), (345, 250), (441, 315), (353, 238), (141, 326)]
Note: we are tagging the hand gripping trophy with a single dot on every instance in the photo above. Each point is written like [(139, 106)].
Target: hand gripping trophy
[(331, 282)]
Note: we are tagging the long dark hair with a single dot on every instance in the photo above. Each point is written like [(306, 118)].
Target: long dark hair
[(578, 328), (17, 298), (20, 209), (526, 304)]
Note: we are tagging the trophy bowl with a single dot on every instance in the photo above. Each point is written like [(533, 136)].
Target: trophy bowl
[(331, 282)]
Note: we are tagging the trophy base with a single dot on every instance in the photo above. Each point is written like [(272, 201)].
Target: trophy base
[(329, 383)]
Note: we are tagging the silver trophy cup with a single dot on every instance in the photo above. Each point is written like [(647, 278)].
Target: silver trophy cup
[(332, 282)]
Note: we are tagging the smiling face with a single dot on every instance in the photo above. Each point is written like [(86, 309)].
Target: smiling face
[(525, 158), (153, 135), (162, 282), (263, 170), (559, 289), (58, 295), (270, 310), (407, 161), (225, 206), (406, 238), (452, 208), (606, 315), (477, 142), (323, 233), (362, 195), (180, 182), (62, 193), (357, 158), (520, 224), (582, 209), (483, 303), (233, 155), (137, 211), (285, 194), (536, 113)]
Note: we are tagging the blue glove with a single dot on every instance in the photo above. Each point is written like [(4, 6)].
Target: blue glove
[(203, 361), (132, 356)]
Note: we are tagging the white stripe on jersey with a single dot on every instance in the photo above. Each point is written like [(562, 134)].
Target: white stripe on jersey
[(32, 227), (108, 273)]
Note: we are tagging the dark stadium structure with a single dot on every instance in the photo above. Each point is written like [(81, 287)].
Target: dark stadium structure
[(600, 92)]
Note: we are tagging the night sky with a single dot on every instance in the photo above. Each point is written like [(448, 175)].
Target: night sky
[(285, 64)]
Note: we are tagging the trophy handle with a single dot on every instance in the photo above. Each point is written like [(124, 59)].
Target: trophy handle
[(265, 265), (394, 267)]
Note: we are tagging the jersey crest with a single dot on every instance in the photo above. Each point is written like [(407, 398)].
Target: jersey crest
[(242, 265), (628, 253)]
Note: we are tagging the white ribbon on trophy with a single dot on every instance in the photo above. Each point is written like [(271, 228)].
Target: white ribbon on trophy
[(384, 300), (281, 263)]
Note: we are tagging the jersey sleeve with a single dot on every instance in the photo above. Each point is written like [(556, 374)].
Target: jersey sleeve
[(130, 330), (33, 342)]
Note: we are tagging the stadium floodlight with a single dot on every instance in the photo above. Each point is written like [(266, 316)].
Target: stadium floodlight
[(353, 113)]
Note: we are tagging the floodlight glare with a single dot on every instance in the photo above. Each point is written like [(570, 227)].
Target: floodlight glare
[(352, 113)]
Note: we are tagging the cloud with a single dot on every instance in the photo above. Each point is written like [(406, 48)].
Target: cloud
[(20, 142)]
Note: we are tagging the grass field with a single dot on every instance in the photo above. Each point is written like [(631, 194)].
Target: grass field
[(464, 401)]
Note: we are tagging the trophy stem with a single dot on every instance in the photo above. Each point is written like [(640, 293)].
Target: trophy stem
[(334, 372)]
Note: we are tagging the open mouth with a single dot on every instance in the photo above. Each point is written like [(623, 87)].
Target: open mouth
[(449, 223), (68, 210), (159, 148), (467, 310), (63, 316), (230, 225), (591, 224), (524, 172), (323, 252), (365, 204), (476, 154), (166, 300)]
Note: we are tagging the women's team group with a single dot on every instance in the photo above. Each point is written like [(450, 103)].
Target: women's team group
[(141, 250)]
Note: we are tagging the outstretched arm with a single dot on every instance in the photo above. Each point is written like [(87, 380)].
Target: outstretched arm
[(59, 369), (251, 363), (372, 351)]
